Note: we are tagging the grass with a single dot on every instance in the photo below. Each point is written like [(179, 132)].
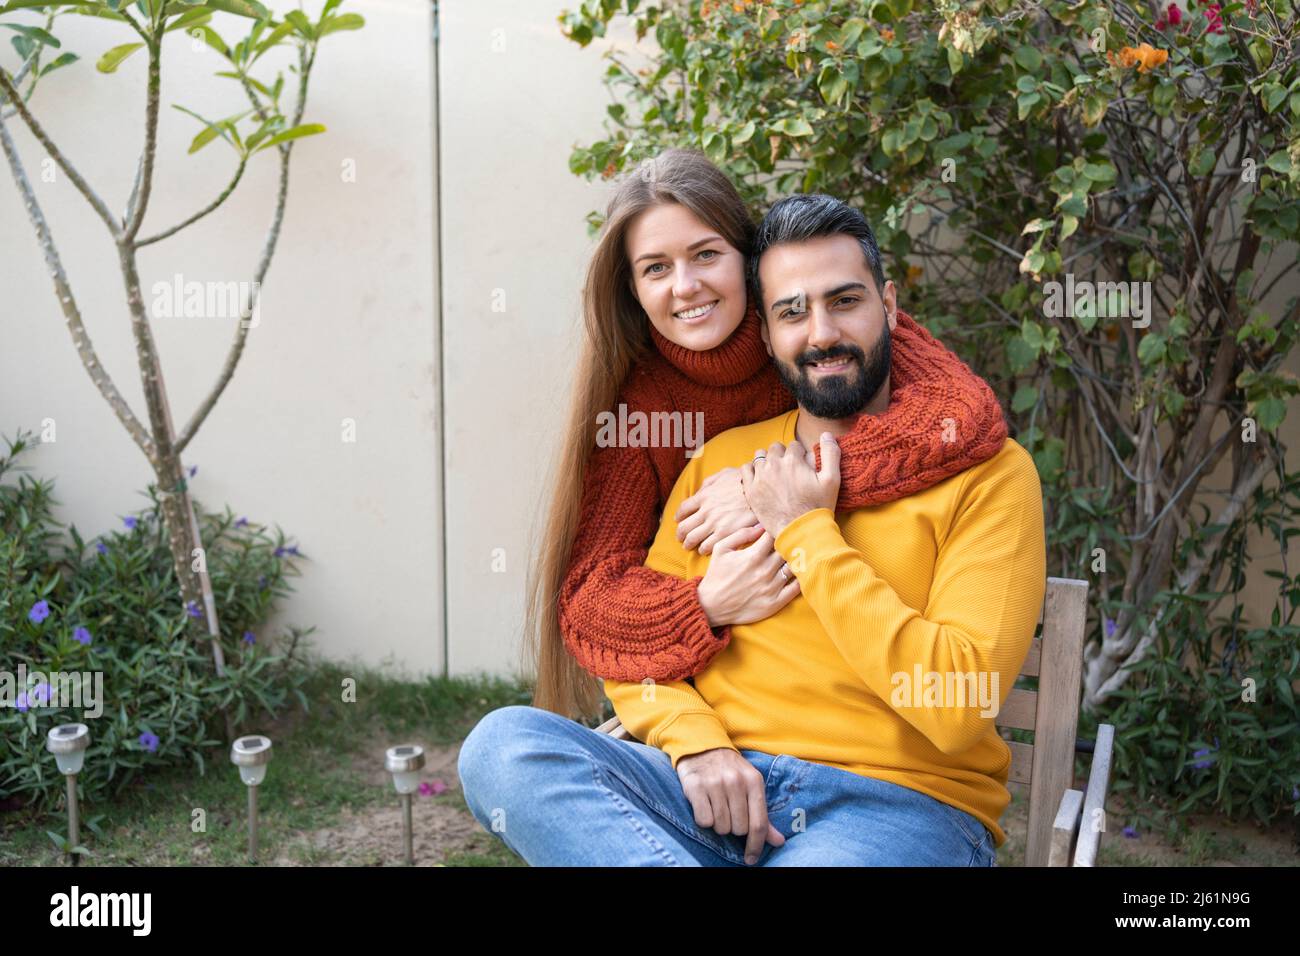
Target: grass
[(327, 800), (327, 767)]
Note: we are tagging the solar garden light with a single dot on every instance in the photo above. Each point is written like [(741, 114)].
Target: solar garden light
[(404, 764), (251, 754), (68, 743)]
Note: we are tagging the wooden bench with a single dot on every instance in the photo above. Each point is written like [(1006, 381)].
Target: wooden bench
[(1065, 825)]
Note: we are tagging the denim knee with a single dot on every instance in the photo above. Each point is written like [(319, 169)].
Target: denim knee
[(486, 751)]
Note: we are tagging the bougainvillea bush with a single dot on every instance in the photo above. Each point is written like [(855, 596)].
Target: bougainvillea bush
[(1098, 204), (108, 607)]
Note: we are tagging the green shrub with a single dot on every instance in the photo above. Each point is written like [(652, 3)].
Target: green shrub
[(110, 607)]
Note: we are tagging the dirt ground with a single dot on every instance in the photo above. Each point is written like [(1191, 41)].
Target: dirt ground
[(443, 826), (373, 837)]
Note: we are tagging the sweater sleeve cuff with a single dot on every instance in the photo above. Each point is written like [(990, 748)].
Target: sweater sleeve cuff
[(690, 733)]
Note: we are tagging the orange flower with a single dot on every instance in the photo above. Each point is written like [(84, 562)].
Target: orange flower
[(1145, 56), (887, 34), (609, 170), (831, 46), (913, 275)]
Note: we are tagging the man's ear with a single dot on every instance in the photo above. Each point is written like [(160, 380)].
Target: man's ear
[(889, 296), (762, 330)]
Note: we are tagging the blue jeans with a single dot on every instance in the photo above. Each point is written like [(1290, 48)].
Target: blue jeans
[(560, 794)]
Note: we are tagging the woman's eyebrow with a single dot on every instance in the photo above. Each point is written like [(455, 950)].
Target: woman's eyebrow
[(694, 245)]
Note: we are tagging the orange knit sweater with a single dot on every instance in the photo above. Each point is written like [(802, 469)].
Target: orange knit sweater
[(623, 621)]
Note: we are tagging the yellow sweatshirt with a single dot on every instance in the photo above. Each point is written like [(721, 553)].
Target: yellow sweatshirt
[(913, 621)]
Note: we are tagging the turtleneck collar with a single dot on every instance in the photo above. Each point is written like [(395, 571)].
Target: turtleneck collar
[(741, 356)]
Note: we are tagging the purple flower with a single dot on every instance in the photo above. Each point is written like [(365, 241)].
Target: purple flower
[(249, 638), (194, 470), (1131, 833), (129, 522), (241, 522), (261, 581), (294, 551), (39, 612), (149, 742), (22, 703), (1295, 793), (1202, 764), (193, 609), (81, 635), (41, 693), (101, 547), (428, 789), (279, 552), (1110, 627)]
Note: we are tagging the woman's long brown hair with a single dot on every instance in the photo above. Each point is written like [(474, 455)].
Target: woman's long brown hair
[(616, 335)]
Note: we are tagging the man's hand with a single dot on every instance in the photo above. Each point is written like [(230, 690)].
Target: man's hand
[(730, 796), (783, 486), (715, 511)]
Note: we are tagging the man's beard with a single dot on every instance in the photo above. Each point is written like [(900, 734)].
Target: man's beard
[(840, 395)]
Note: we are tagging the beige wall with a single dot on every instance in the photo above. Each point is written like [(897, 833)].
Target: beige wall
[(515, 98)]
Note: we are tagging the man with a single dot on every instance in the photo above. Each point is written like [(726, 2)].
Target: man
[(856, 725)]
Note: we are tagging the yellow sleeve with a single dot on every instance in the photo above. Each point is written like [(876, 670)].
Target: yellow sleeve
[(670, 715), (986, 592)]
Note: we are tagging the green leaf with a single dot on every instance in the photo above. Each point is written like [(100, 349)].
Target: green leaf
[(715, 147), (744, 134), (307, 129), (272, 39), (190, 18), (62, 60), (1202, 162), (240, 8), (1272, 96), (255, 84), (795, 126), (1094, 109), (213, 129), (346, 21), (1279, 162), (110, 61), (1068, 226), (1026, 102), (34, 33), (1151, 349), (301, 24), (211, 37), (1102, 172), (1026, 397), (1028, 58)]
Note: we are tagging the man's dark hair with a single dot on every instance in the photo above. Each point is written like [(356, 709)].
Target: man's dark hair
[(805, 216)]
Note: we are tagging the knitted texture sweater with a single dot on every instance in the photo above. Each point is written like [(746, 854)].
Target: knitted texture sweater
[(623, 621)]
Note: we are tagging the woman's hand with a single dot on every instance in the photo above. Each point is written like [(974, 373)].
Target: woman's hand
[(713, 512), (730, 796), (746, 584)]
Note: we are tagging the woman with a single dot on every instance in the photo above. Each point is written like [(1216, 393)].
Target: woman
[(669, 328)]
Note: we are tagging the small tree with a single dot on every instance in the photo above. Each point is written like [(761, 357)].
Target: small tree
[(266, 128)]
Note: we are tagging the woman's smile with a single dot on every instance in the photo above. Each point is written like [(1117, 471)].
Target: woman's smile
[(696, 314)]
